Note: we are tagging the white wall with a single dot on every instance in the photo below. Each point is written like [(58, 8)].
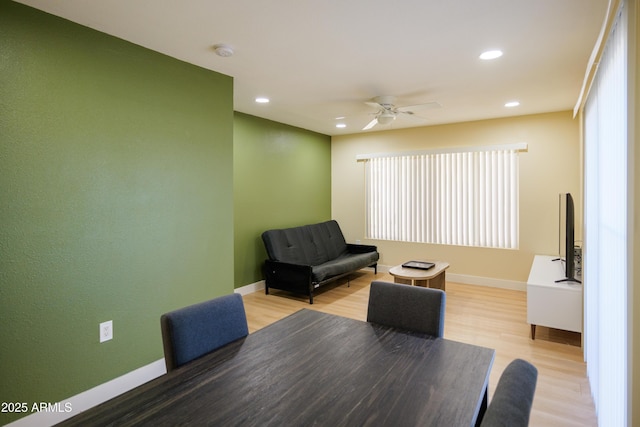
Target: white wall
[(551, 166)]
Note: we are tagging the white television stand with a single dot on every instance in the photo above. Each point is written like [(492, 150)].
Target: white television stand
[(552, 304)]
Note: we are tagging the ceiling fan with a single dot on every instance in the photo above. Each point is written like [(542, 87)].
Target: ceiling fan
[(387, 111)]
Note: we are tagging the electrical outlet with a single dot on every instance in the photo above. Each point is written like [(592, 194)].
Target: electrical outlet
[(106, 331)]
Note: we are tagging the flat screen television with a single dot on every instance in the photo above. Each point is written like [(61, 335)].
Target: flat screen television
[(569, 256)]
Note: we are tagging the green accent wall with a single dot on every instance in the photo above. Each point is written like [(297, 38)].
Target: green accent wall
[(282, 178), (116, 201)]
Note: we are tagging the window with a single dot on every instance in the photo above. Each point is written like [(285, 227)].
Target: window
[(606, 229), (465, 197)]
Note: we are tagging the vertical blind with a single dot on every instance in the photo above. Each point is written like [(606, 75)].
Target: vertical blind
[(605, 231), (467, 198)]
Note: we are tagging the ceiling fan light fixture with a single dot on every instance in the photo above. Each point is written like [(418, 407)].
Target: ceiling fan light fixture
[(386, 118)]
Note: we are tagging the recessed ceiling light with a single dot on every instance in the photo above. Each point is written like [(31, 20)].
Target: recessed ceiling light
[(341, 125), (512, 104), (340, 118), (491, 54), (262, 100)]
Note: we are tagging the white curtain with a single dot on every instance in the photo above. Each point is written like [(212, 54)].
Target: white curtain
[(605, 231), (454, 198)]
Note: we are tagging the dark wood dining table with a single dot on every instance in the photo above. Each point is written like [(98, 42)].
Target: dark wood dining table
[(314, 369)]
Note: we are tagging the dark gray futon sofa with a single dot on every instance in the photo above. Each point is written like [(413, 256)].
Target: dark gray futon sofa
[(304, 258)]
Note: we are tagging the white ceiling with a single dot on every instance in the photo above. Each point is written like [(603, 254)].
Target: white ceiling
[(318, 60)]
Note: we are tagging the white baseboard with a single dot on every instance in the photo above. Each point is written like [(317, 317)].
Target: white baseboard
[(487, 281), (58, 412), (250, 288)]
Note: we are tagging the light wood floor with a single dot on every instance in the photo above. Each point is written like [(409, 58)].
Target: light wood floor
[(489, 317)]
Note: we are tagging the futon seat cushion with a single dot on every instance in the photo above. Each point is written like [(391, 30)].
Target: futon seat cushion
[(344, 262)]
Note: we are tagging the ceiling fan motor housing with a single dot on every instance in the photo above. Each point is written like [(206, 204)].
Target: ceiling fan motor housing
[(386, 100)]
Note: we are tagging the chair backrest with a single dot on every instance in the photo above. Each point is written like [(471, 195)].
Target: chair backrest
[(513, 397), (412, 308), (193, 331)]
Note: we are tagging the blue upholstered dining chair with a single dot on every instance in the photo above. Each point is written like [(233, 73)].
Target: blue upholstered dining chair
[(513, 397), (412, 308), (193, 331)]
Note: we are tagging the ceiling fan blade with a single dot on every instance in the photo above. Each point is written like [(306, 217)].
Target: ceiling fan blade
[(410, 115), (374, 104), (418, 107), (371, 124)]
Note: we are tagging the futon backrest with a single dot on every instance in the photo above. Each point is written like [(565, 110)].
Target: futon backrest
[(312, 244)]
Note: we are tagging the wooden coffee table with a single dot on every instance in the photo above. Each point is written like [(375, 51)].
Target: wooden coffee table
[(431, 278)]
